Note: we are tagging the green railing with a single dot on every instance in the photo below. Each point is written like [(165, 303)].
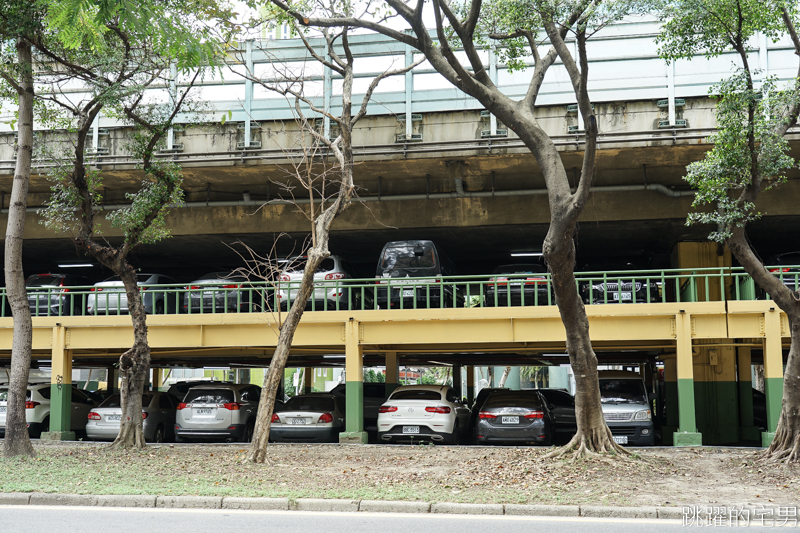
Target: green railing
[(643, 286)]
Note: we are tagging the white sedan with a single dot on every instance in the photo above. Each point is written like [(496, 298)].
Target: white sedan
[(415, 413)]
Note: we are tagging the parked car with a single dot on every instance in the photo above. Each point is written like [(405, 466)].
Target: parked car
[(518, 284), (223, 292), (515, 417), (317, 417), (109, 297), (626, 407), (374, 396), (620, 289), (53, 294), (179, 389), (415, 413), (402, 260), (37, 409), (330, 288), (480, 399), (219, 411), (562, 406), (158, 412), (785, 267)]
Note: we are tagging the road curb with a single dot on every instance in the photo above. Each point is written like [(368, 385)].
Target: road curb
[(333, 505)]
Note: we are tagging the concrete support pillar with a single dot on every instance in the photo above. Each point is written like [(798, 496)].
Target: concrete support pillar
[(112, 380), (687, 434), (773, 372), (60, 389), (354, 386), (392, 372), (670, 399), (470, 384), (457, 381), (747, 429), (158, 378), (308, 380)]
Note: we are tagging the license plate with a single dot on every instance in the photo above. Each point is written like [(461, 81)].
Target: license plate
[(202, 411), (411, 429), (621, 439), (3, 409), (299, 421), (408, 293), (114, 418), (510, 420), (625, 296)]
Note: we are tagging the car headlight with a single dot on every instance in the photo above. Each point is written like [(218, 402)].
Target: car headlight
[(642, 415)]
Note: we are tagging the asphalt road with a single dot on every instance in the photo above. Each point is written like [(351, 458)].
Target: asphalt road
[(93, 519)]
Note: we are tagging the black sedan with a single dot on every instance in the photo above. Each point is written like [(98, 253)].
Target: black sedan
[(515, 417), (519, 284)]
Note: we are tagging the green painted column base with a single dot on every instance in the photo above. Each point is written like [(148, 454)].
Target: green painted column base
[(750, 433), (56, 436), (687, 439), (353, 437), (766, 439)]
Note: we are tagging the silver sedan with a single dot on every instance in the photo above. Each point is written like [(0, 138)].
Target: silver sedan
[(158, 411)]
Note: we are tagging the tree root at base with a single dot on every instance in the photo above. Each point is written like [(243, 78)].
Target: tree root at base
[(595, 446), (785, 448)]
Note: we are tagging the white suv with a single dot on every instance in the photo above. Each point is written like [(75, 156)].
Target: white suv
[(37, 409), (330, 290), (223, 411), (415, 413)]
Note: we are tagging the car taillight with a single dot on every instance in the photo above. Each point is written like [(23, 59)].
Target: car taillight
[(325, 418), (234, 406), (334, 275), (499, 281), (779, 269), (535, 281), (535, 414), (285, 277), (193, 287), (486, 414), (182, 406), (93, 416), (96, 289), (387, 409), (439, 410), (31, 405), (231, 286), (275, 419), (144, 415)]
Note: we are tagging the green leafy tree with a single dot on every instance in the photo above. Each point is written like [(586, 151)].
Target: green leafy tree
[(116, 50), (750, 153), (18, 20)]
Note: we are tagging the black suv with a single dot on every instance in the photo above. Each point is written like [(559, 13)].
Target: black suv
[(51, 295), (402, 260)]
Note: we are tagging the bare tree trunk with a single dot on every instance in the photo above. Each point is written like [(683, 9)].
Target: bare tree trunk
[(758, 384), (504, 377), (17, 441)]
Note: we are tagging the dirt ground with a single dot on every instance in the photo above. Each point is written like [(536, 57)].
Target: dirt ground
[(658, 476)]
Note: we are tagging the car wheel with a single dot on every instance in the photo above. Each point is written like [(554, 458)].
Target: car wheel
[(160, 307), (158, 435), (455, 438), (248, 432), (45, 428)]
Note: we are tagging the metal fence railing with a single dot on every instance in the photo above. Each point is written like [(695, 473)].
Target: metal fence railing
[(496, 290)]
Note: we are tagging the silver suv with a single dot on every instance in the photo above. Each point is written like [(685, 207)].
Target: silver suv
[(223, 411)]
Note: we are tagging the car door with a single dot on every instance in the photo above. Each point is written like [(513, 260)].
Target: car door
[(562, 405), (462, 411), (167, 406), (81, 405)]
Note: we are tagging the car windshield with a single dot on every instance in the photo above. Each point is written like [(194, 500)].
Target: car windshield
[(512, 400), (114, 401), (298, 264), (4, 395), (520, 269), (417, 395), (209, 396), (309, 403), (408, 256), (43, 281), (222, 276), (622, 391)]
